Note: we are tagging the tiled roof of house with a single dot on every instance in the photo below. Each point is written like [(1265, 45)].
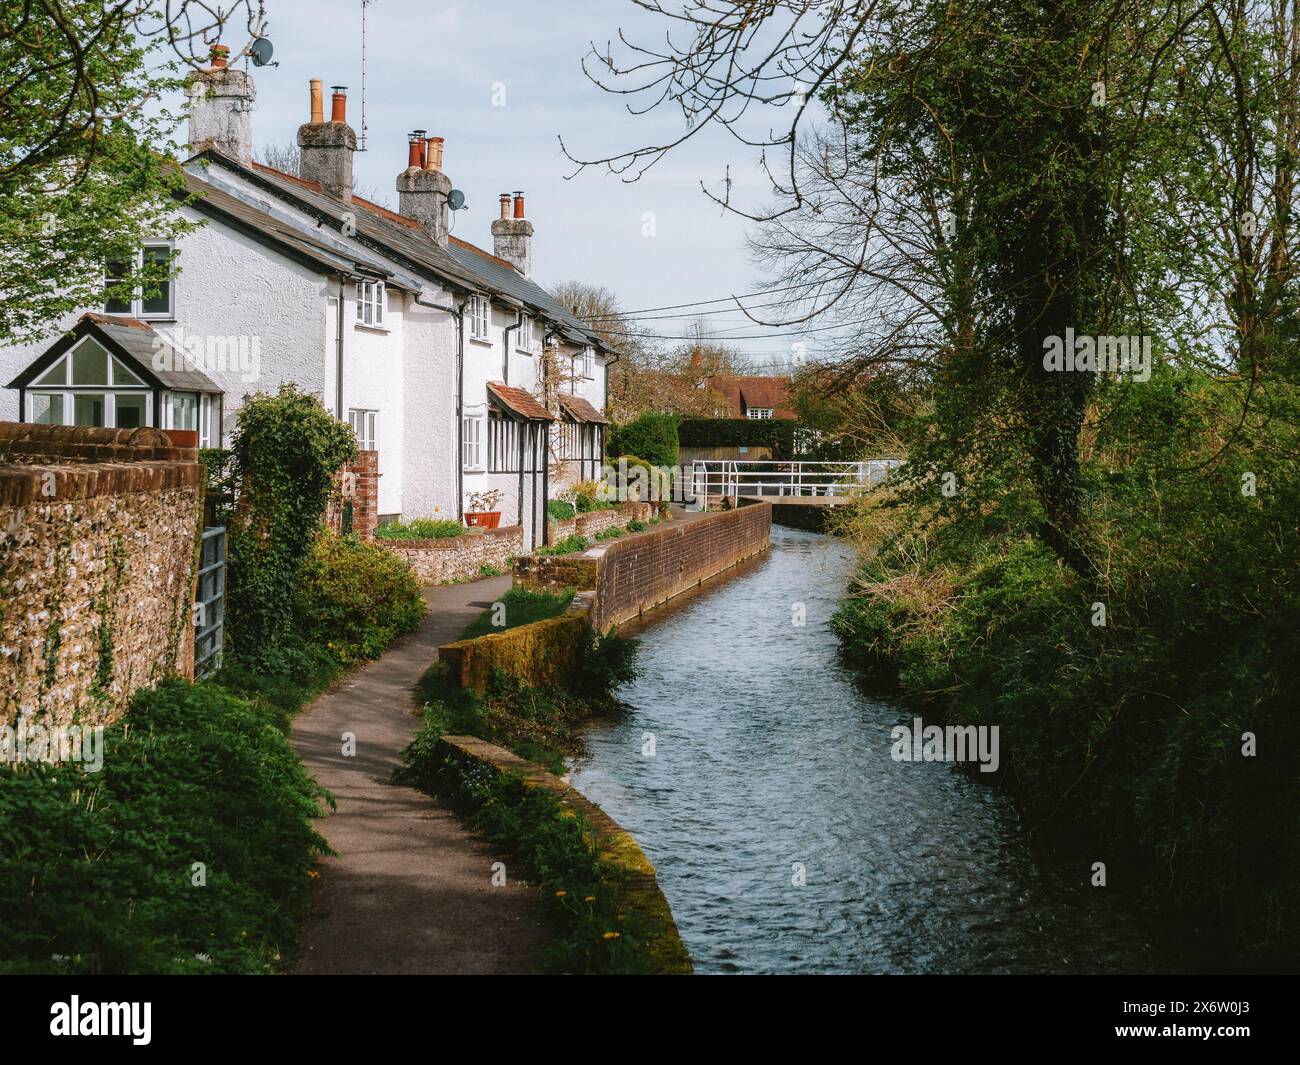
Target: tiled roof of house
[(743, 393), (519, 403), (582, 411)]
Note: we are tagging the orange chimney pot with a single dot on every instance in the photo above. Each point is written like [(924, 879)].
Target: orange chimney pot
[(339, 103), (317, 103), (519, 205)]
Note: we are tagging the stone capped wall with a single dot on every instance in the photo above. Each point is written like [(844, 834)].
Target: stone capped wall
[(98, 555), (458, 558)]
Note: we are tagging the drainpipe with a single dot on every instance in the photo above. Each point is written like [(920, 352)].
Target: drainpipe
[(505, 341), (338, 341)]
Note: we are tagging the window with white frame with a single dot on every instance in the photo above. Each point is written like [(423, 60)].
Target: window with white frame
[(588, 363), (153, 299), (480, 316), (370, 303), (365, 424), (472, 442), (88, 386), (524, 341), (758, 413)]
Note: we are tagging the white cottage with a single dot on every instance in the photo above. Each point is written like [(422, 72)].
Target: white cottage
[(448, 360)]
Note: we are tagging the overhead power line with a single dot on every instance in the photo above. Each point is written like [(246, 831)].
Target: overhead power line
[(596, 318)]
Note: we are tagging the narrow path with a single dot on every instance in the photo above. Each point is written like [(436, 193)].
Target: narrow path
[(409, 890)]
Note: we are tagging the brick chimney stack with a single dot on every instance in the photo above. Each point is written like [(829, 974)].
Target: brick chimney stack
[(327, 147), (221, 108), (512, 238), (423, 188)]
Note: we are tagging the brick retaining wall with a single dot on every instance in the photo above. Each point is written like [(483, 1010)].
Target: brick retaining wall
[(98, 549), (646, 570), (591, 522)]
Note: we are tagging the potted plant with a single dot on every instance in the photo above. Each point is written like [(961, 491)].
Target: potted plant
[(482, 513)]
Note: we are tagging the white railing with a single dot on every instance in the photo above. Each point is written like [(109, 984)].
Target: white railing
[(730, 477)]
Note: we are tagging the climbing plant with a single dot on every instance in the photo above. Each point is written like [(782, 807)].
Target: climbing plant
[(286, 450)]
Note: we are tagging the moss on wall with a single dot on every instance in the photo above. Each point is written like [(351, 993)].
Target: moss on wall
[(543, 654)]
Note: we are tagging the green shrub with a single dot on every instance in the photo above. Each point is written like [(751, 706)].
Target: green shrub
[(779, 434), (421, 529), (355, 598), (522, 606), (286, 448), (636, 526), (652, 436), (97, 870), (560, 510), (564, 547)]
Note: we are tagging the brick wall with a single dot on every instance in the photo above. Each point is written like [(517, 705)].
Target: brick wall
[(98, 546), (646, 570), (357, 484), (458, 558), (556, 573)]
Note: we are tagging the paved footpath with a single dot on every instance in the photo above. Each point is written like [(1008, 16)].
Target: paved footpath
[(409, 890)]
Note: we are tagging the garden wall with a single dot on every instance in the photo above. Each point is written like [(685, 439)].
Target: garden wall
[(98, 548), (597, 521), (457, 558)]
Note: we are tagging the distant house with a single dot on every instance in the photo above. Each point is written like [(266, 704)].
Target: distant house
[(756, 398)]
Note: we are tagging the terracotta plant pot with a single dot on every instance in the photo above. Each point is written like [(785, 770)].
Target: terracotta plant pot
[(483, 519)]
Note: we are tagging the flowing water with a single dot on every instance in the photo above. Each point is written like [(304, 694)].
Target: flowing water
[(767, 757)]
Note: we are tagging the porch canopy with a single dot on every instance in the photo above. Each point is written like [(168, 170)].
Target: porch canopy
[(519, 437), (582, 435)]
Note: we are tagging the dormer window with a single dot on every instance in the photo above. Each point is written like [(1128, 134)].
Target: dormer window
[(370, 303), (757, 414), (480, 315)]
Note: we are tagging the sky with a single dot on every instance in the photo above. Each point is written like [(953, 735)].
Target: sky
[(502, 80)]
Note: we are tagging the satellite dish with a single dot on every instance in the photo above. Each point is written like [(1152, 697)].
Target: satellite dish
[(261, 51), (456, 200)]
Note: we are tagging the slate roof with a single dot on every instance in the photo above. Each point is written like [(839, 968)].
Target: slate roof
[(581, 411), (401, 238), (213, 202), (519, 403)]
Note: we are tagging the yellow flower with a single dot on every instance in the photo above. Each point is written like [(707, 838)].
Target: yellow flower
[(611, 935), (313, 874), (560, 894), (590, 898)]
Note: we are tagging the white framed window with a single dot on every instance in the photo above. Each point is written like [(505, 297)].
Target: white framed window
[(370, 303), (758, 413), (365, 424), (588, 363), (155, 301), (524, 338), (472, 442), (88, 386), (480, 317)]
